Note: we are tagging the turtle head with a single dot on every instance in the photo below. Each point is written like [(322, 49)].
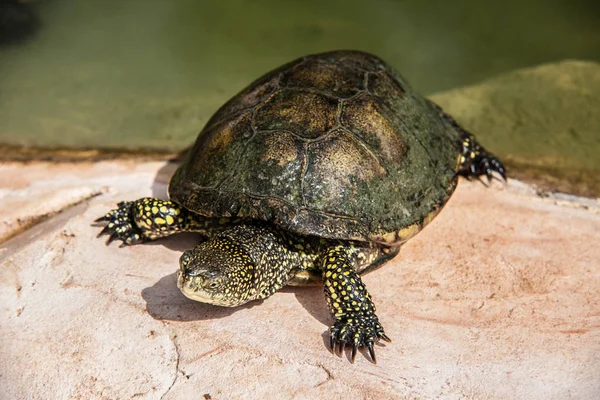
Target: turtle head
[(217, 272)]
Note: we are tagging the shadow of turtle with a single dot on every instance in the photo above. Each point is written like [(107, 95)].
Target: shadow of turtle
[(312, 299), (164, 301)]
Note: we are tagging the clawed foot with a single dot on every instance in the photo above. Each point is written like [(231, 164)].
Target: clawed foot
[(358, 332), (476, 162), (120, 225)]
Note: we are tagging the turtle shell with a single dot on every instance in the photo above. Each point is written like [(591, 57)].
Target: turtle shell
[(334, 144)]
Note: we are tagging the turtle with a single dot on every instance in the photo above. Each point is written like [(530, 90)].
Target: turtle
[(315, 173)]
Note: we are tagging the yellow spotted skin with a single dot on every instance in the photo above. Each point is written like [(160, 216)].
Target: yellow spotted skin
[(474, 161), (150, 219), (336, 150), (349, 302), (244, 260)]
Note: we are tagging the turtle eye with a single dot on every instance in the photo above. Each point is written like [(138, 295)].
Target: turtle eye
[(213, 285)]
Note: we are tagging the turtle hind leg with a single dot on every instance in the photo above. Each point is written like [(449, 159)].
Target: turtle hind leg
[(149, 219), (475, 161), (349, 302)]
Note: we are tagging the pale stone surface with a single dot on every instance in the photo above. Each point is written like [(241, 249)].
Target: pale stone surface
[(497, 298)]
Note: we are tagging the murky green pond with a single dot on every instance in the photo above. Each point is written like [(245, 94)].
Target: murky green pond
[(148, 73)]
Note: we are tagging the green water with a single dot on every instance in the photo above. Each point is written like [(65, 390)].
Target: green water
[(148, 73)]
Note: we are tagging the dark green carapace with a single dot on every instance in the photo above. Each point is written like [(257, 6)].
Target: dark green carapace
[(315, 173)]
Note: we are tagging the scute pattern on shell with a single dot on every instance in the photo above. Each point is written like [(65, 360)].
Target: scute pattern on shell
[(334, 144)]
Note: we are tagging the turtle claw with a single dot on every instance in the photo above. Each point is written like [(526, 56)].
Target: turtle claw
[(332, 343), (385, 338), (477, 162), (484, 183), (483, 164), (104, 231), (361, 332), (341, 348), (498, 167), (120, 225), (372, 353), (109, 215), (111, 238)]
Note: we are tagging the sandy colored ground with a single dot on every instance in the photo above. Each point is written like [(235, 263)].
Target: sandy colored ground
[(497, 298)]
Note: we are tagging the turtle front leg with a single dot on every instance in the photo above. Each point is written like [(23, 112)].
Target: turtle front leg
[(350, 304), (148, 219)]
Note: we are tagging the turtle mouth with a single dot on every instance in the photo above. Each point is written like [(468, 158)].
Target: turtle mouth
[(191, 288)]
